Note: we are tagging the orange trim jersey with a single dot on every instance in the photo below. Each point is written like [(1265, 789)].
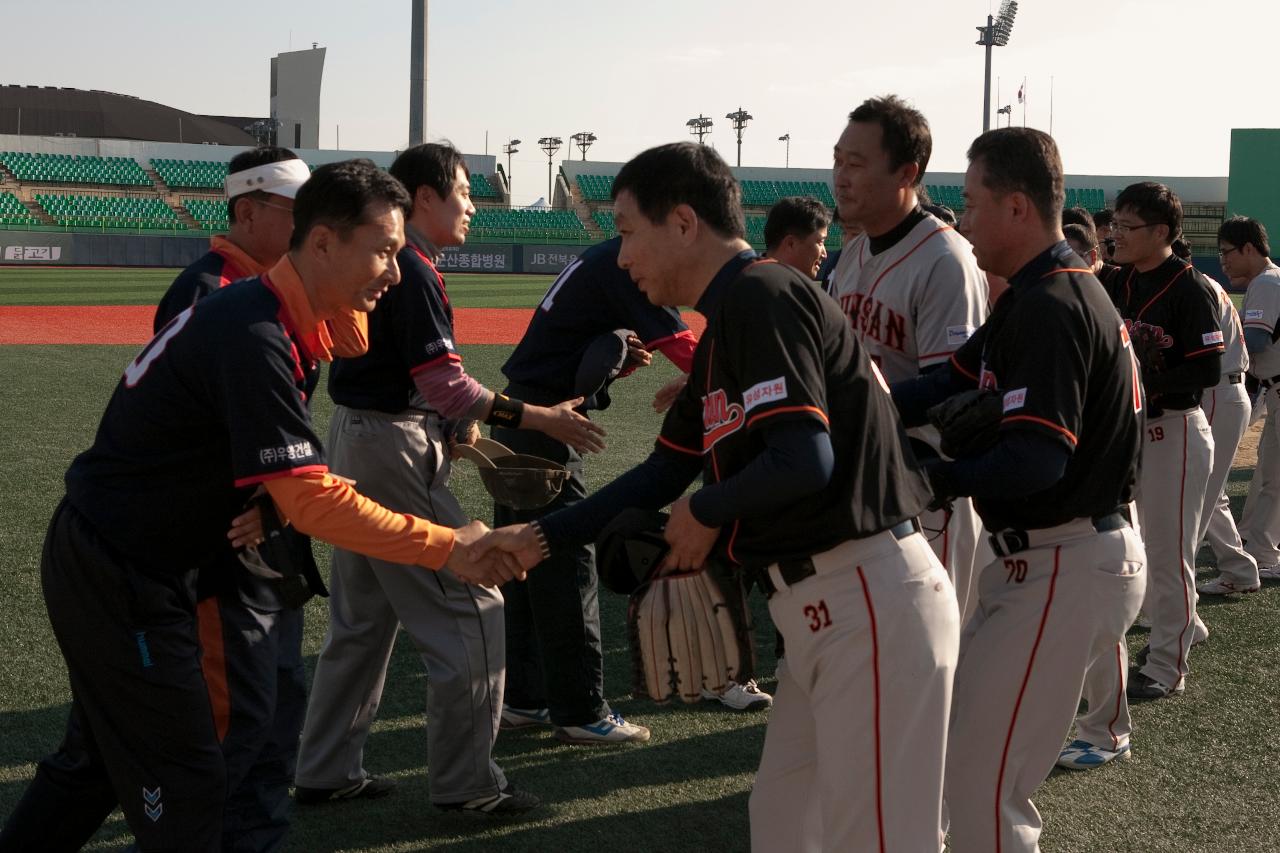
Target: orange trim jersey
[(777, 348), (1061, 358)]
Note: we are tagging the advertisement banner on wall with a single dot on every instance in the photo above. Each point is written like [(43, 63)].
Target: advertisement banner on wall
[(36, 248), (478, 257), (549, 259)]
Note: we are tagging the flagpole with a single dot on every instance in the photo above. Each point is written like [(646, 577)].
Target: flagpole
[(999, 103)]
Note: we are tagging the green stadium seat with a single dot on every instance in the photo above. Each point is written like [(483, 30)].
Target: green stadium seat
[(481, 188), (92, 211), (191, 174), (490, 223), (63, 168)]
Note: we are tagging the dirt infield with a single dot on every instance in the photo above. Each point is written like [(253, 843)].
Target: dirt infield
[(131, 324)]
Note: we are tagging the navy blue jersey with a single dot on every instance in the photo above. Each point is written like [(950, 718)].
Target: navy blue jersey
[(1056, 349), (209, 274), (826, 272), (410, 330), (213, 406), (591, 297), (777, 349)]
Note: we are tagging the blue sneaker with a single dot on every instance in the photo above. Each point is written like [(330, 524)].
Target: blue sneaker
[(1082, 755), (612, 729), (523, 718)]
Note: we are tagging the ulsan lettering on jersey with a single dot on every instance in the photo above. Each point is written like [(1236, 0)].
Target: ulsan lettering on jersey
[(871, 318), (719, 418)]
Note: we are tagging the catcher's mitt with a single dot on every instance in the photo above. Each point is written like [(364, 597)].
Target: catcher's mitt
[(969, 422), (688, 632), (1148, 346)]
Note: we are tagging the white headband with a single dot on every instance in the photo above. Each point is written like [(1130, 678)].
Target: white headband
[(282, 178)]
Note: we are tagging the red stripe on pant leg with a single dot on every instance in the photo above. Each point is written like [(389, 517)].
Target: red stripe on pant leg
[(1186, 598), (1013, 721), (1115, 741), (213, 662), (875, 679)]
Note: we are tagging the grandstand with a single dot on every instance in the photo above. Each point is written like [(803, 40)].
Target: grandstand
[(500, 223), (105, 211), (191, 174), (13, 212), (68, 169)]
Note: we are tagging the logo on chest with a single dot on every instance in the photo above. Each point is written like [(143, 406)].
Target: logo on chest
[(720, 418), (1136, 328), (871, 318)]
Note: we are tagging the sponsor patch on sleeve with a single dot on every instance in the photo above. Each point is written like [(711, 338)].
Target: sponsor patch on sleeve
[(1254, 314), (957, 335), (1014, 400), (769, 391), (1212, 337)]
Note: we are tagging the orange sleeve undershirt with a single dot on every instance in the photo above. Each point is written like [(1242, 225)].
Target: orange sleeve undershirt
[(320, 505), (350, 333)]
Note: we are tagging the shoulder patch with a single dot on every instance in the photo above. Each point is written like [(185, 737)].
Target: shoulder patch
[(1254, 314), (957, 335), (1014, 400), (769, 391), (1209, 338)]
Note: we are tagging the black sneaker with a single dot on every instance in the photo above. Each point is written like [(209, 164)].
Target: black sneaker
[(1145, 687), (368, 788), (1141, 659), (506, 803)]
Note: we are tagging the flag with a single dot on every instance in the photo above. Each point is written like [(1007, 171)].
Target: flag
[(1020, 90)]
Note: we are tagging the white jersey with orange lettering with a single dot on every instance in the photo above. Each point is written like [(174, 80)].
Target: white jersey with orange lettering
[(912, 304)]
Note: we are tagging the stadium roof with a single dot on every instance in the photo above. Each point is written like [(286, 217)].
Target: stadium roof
[(54, 111)]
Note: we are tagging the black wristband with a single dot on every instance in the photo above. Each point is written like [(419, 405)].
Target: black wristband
[(543, 545), (505, 412)]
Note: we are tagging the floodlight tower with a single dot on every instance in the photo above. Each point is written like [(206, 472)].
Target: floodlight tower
[(583, 139), (786, 137), (418, 72), (995, 34), (740, 119), (699, 127), (509, 149), (550, 144)]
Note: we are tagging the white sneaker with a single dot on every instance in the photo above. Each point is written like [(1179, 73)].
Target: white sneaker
[(741, 697), (523, 718), (1222, 585), (1269, 573), (612, 729), (1082, 755)]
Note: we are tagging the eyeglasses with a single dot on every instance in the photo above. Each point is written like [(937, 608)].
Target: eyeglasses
[(1124, 228), (1222, 253), (288, 210)]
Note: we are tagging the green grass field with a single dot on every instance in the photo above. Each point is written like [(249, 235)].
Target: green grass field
[(1202, 777)]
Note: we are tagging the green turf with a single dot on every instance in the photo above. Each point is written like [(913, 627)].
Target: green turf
[(27, 286), (1202, 777)]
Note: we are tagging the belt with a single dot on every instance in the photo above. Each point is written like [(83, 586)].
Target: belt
[(1007, 542), (1267, 383), (1235, 378), (795, 571)]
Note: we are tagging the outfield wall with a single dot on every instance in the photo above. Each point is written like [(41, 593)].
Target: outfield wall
[(54, 248)]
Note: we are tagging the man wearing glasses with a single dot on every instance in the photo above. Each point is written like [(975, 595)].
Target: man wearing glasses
[(1245, 251), (1162, 297)]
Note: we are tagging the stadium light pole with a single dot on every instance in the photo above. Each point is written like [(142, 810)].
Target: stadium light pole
[(739, 119), (550, 144), (995, 34), (583, 139), (509, 149), (699, 127), (786, 137)]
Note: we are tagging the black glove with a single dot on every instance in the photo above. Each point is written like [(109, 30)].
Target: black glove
[(968, 422)]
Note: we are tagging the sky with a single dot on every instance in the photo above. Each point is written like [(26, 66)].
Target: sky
[(1139, 87)]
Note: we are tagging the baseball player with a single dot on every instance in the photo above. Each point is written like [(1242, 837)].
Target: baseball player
[(1165, 301), (908, 284), (555, 661), (1245, 253), (399, 407), (251, 653), (210, 409), (1068, 575), (809, 481), (795, 233), (1228, 408)]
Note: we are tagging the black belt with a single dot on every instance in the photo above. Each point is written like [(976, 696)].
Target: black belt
[(794, 571), (1235, 378), (1267, 383), (1007, 542)]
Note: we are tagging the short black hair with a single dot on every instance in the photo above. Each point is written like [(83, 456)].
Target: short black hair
[(904, 131), (797, 215), (1076, 216), (1241, 231), (251, 159), (1082, 234), (1103, 218), (342, 196), (433, 164), (1181, 248), (1154, 204), (684, 173), (1023, 160), (941, 211)]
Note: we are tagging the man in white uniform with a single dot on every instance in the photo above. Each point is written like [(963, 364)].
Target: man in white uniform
[(910, 286)]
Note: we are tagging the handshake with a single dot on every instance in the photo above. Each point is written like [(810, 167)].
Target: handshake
[(485, 557)]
